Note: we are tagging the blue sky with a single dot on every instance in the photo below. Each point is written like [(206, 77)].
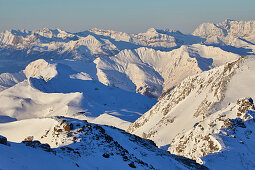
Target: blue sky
[(123, 15)]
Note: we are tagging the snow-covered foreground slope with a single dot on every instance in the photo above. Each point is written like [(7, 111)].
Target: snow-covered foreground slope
[(178, 119), (55, 89), (150, 72), (18, 156), (83, 145)]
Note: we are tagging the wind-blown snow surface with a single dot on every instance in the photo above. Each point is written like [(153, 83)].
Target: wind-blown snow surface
[(83, 145), (181, 117), (55, 89)]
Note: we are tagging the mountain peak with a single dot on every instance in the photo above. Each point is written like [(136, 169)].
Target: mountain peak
[(41, 69), (151, 30)]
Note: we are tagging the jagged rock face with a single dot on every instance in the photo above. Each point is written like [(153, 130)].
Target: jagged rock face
[(186, 104), (202, 114), (238, 143), (229, 32), (205, 138)]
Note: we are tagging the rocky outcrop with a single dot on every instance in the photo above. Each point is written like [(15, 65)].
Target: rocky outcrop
[(204, 138), (3, 140), (37, 144)]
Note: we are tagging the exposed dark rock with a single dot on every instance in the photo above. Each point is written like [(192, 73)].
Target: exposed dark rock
[(106, 155), (37, 144), (3, 140), (238, 123), (132, 165)]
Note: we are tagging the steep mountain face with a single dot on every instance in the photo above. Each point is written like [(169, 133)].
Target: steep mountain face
[(150, 72), (89, 146), (229, 32), (171, 122), (239, 143), (213, 135)]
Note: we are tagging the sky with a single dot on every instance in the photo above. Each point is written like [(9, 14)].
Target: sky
[(130, 16)]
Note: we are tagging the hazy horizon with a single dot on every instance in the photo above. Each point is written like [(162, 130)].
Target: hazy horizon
[(126, 16)]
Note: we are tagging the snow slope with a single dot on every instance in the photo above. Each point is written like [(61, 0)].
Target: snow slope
[(194, 99), (89, 146), (52, 89), (150, 72), (18, 156)]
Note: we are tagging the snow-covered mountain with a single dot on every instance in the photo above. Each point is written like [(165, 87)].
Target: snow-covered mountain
[(54, 44), (110, 50), (225, 135), (51, 89), (149, 72), (185, 117), (58, 44), (154, 38), (63, 88), (81, 145), (229, 32)]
